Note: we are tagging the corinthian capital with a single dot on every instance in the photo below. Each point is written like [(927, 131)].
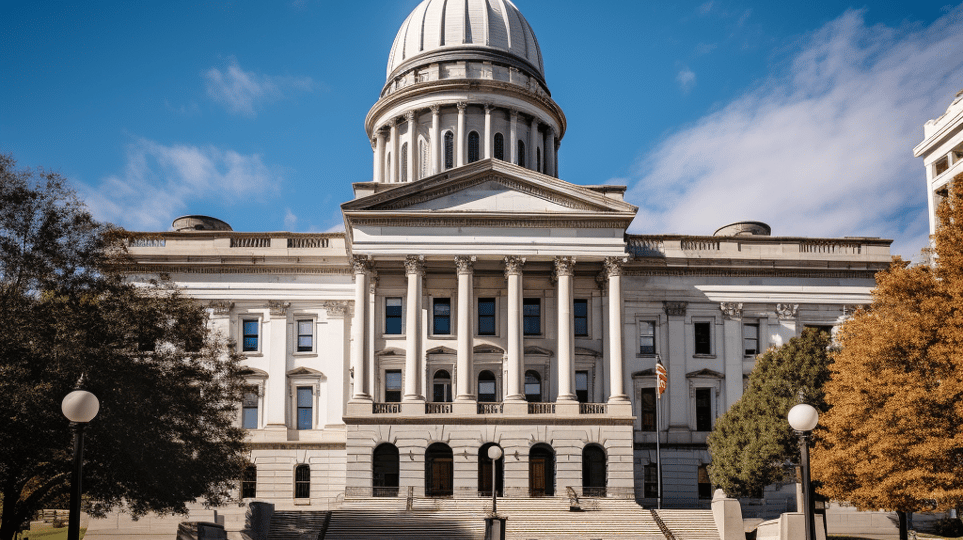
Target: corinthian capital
[(564, 266), (731, 310), (415, 264), (465, 264), (513, 265), (361, 264), (613, 265)]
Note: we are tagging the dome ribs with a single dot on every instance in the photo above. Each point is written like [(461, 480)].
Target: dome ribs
[(434, 25), (454, 22)]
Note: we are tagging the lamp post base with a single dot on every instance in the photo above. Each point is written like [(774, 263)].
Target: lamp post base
[(495, 528)]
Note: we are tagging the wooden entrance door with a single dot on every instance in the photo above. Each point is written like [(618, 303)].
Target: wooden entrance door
[(439, 472), (541, 472)]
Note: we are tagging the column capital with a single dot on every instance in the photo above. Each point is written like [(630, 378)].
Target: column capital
[(787, 312), (513, 265), (278, 308), (220, 307), (731, 310), (380, 133), (613, 265), (435, 108), (564, 266), (361, 264), (513, 113), (337, 308), (374, 143), (674, 308), (465, 264), (415, 264), (489, 107), (462, 105), (410, 116)]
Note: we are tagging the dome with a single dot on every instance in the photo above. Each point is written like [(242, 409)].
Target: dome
[(489, 28)]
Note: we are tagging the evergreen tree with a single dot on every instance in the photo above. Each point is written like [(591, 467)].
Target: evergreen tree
[(166, 433), (893, 438), (752, 441)]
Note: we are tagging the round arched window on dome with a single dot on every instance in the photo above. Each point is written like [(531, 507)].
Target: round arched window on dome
[(499, 146), (449, 150), (521, 153), (473, 147), (404, 162), (538, 159)]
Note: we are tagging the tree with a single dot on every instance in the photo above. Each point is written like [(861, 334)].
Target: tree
[(893, 438), (166, 433), (752, 441)]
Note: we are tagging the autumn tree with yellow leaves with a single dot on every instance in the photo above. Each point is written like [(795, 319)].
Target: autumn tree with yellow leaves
[(893, 436)]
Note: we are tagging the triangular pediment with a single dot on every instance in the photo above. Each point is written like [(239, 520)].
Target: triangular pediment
[(490, 186)]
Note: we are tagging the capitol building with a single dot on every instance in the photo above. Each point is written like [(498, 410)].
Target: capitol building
[(477, 298)]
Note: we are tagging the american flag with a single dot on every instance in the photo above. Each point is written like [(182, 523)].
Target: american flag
[(662, 376)]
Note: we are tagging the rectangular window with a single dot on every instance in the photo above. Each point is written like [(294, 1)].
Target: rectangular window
[(305, 409), (647, 337), (941, 166), (441, 319), (302, 482), (703, 397), (532, 310), (580, 310), (750, 339), (249, 411), (393, 316), (393, 386), (647, 404), (705, 486), (486, 316), (703, 337), (251, 331), (249, 483), (581, 386), (650, 482), (305, 335)]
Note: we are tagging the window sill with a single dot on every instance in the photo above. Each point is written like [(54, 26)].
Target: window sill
[(704, 356), (646, 355), (392, 336), (252, 354), (442, 336), (302, 502), (304, 354)]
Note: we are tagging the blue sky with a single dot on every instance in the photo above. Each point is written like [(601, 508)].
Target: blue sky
[(799, 114)]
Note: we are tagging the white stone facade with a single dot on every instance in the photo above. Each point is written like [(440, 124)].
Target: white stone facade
[(942, 153), (491, 302)]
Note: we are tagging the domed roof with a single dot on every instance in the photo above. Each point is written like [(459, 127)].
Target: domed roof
[(436, 26)]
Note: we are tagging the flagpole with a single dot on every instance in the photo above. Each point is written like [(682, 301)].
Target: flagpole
[(661, 383)]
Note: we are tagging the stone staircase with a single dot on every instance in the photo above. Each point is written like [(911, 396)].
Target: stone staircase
[(690, 524), (306, 525), (528, 519)]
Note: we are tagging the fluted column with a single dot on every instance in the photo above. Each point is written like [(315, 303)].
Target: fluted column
[(460, 135), (488, 132), (362, 266), (379, 156), (465, 266), (513, 378), (531, 150), (565, 271), (415, 272), (412, 151), (613, 267), (435, 139), (513, 137), (548, 149), (393, 174)]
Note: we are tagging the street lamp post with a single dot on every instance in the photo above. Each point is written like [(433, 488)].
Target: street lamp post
[(80, 407), (803, 418), (494, 454)]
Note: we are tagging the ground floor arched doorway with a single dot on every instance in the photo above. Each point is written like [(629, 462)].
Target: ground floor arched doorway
[(541, 471), (485, 473), (593, 471), (384, 471), (439, 472)]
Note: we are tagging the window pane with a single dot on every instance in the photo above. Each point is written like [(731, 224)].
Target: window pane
[(250, 418), (304, 344), (486, 316), (532, 309), (250, 334), (703, 409), (703, 344), (581, 386), (250, 327), (250, 343), (392, 315), (581, 317), (393, 380), (750, 339), (304, 418), (442, 316), (646, 337), (304, 396), (304, 328), (647, 404), (499, 146)]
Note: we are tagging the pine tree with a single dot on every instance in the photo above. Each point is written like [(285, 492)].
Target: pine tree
[(752, 441), (893, 438)]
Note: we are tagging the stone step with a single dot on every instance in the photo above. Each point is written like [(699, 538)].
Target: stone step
[(690, 524)]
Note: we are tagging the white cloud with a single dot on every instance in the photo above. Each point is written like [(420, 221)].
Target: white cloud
[(290, 220), (824, 150), (241, 91), (686, 79), (161, 182)]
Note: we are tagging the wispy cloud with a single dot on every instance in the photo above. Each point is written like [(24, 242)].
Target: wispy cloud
[(823, 150), (290, 220), (243, 91), (686, 79), (161, 182)]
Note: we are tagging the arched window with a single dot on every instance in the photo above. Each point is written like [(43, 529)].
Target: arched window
[(384, 469), (404, 162), (538, 159), (449, 150), (541, 471), (441, 386), (521, 153), (424, 158), (486, 387), (249, 482), (302, 482), (439, 471), (473, 147), (499, 147), (593, 471), (533, 386)]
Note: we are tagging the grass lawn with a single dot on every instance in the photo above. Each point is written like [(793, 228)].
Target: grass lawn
[(50, 534)]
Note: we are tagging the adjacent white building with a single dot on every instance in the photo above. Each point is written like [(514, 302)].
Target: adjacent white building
[(476, 299), (942, 153)]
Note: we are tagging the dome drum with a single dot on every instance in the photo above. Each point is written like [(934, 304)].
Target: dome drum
[(466, 63)]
